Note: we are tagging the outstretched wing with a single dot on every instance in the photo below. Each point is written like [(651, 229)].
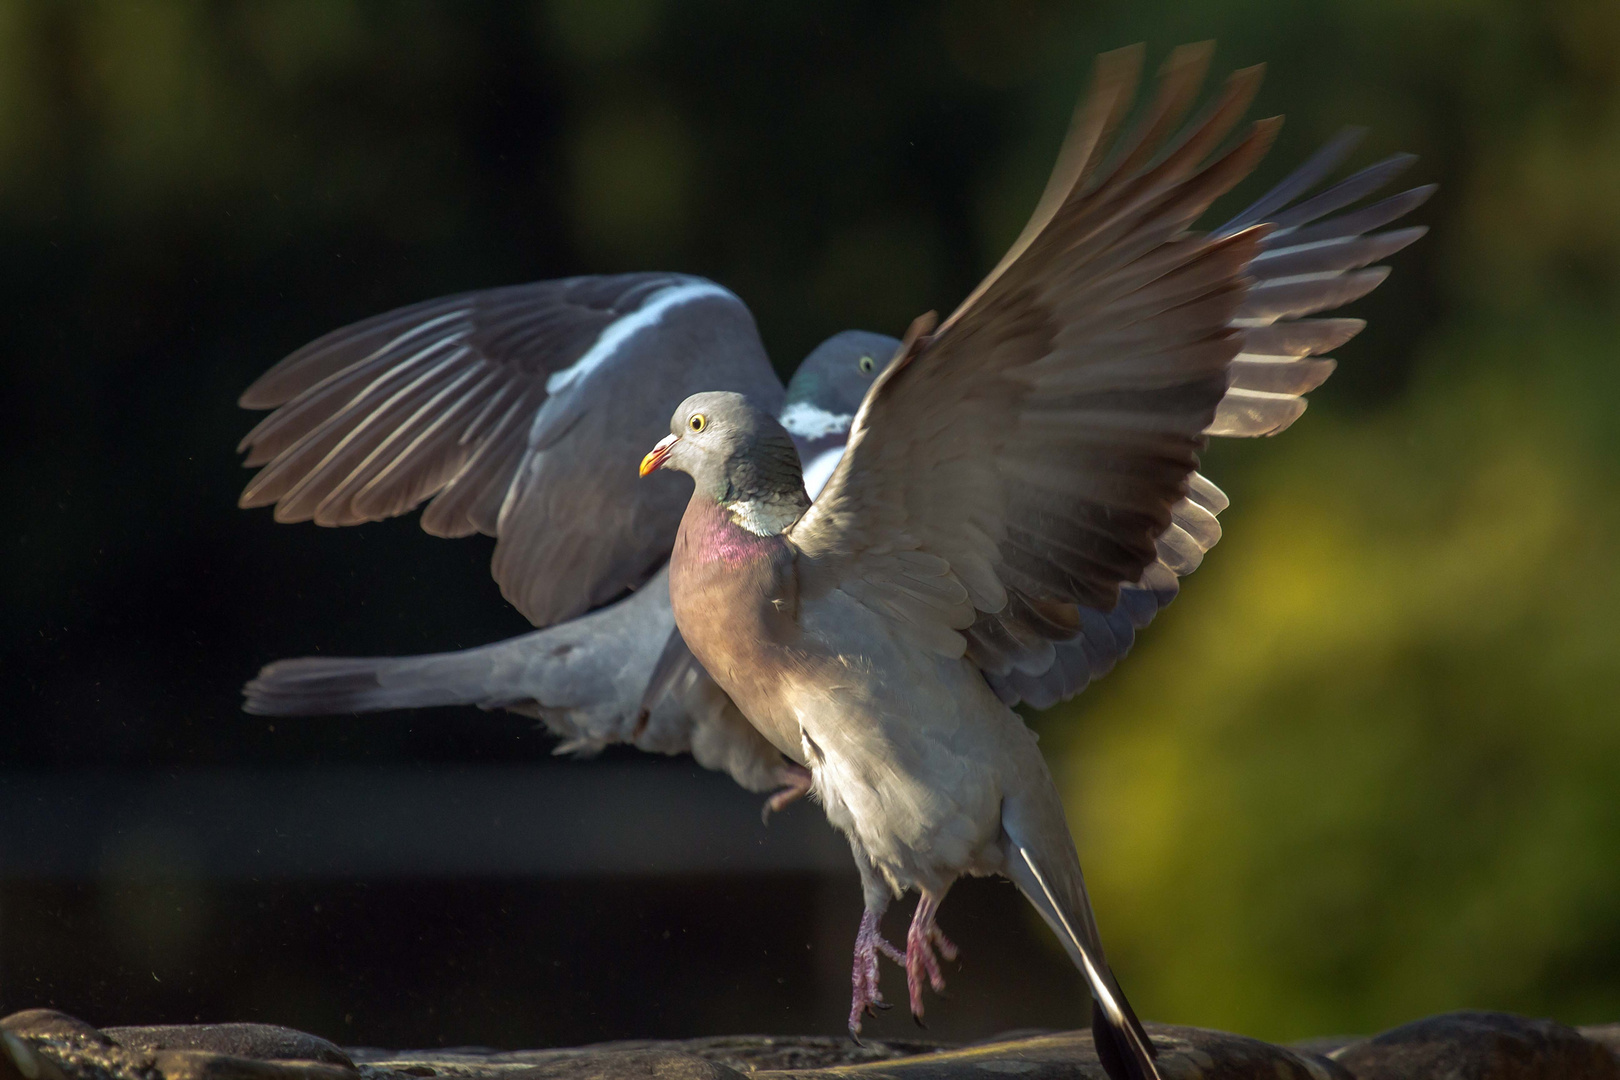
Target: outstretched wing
[(1315, 259), (1028, 459), (514, 410)]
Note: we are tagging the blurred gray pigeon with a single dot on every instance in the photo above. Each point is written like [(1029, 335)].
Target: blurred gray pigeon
[(1011, 477), (510, 409)]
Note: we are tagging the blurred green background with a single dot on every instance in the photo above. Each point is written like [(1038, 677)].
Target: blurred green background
[(1366, 767)]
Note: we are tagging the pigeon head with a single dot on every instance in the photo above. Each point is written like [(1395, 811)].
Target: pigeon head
[(739, 456), (826, 391)]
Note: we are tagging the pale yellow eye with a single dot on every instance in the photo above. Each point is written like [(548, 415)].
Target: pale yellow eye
[(867, 364), (697, 422)]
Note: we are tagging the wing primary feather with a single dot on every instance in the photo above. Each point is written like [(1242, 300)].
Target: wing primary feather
[(287, 379), (1182, 157), (471, 502), (374, 499), (1300, 337), (1345, 192), (1197, 521), (1248, 413), (1279, 375), (1179, 80), (1369, 217), (1204, 491), (344, 502), (358, 405), (1098, 114), (1179, 551), (1301, 180), (1096, 118), (497, 400), (331, 394), (1269, 301), (290, 506), (1332, 256)]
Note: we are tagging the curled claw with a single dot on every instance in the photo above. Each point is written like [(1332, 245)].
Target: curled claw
[(922, 941), (867, 999), (795, 781)]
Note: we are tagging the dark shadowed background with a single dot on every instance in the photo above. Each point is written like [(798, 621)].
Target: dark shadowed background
[(1366, 767)]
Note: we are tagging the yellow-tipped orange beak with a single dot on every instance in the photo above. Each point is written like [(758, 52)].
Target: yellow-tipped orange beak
[(655, 460)]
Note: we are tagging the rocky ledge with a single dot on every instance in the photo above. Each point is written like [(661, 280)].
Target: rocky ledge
[(44, 1045)]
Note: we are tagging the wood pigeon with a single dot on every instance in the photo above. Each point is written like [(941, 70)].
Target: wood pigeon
[(512, 409), (1020, 480)]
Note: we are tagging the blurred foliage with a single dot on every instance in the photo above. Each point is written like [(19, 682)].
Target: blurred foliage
[(1369, 766), (1365, 768)]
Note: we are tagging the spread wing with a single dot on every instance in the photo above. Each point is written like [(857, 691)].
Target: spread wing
[(514, 410), (1027, 460), (1315, 259)]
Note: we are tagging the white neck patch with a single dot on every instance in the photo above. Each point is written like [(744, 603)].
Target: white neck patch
[(765, 517), (820, 470), (809, 421)]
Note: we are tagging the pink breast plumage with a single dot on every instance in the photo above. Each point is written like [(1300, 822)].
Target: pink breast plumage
[(715, 538)]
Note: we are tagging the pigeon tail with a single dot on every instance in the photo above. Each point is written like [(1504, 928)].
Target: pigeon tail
[(577, 677), (583, 679), (323, 686), (1055, 886)]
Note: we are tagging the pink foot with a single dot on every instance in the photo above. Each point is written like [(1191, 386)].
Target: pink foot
[(922, 940), (795, 781), (867, 998)]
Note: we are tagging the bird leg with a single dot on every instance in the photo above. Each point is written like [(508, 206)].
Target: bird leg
[(867, 998), (795, 780), (921, 940)]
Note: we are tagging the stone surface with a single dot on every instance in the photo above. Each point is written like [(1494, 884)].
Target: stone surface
[(1607, 1035), (54, 1026), (1479, 1046), (40, 1044), (1184, 1054), (262, 1042), (745, 1053), (1323, 1045), (643, 1064), (44, 1045)]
